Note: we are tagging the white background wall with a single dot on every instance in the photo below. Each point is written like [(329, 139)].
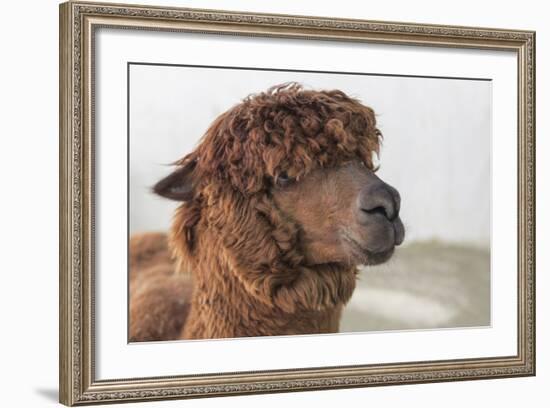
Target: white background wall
[(436, 148), (28, 220)]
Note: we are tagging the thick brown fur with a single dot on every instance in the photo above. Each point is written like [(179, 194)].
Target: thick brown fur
[(250, 273)]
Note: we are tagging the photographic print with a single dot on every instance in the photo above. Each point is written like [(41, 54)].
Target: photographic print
[(305, 202)]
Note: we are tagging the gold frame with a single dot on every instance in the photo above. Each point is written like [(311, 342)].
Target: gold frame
[(78, 20)]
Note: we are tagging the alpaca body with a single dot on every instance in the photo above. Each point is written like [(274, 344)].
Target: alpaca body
[(221, 307), (168, 305), (225, 317)]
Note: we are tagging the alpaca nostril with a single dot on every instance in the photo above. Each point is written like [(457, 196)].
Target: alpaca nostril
[(376, 210), (378, 199)]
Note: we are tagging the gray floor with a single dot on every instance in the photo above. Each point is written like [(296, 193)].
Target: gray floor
[(425, 285)]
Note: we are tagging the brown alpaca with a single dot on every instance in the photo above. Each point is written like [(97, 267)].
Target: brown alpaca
[(280, 204)]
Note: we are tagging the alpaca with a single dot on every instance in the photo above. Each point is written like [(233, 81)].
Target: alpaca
[(279, 205)]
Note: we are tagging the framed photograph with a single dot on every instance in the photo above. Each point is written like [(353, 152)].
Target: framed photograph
[(255, 203)]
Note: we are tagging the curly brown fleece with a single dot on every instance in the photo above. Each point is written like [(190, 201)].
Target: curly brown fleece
[(245, 255)]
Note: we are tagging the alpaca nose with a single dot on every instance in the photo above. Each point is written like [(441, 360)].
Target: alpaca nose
[(378, 198)]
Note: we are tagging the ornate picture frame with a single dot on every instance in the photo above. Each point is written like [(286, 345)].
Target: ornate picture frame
[(79, 22)]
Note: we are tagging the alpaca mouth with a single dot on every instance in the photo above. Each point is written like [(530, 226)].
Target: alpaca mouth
[(365, 256)]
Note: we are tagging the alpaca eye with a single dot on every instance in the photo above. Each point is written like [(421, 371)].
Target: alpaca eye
[(284, 180)]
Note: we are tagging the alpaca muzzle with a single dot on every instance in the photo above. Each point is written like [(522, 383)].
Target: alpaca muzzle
[(377, 212)]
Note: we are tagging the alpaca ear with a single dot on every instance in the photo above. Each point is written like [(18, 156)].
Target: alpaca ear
[(178, 185)]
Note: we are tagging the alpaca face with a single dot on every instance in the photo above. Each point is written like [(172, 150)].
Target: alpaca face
[(346, 214)]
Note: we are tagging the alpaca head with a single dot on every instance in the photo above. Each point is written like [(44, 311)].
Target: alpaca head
[(285, 181)]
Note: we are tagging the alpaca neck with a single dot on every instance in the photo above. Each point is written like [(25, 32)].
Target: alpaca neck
[(221, 307)]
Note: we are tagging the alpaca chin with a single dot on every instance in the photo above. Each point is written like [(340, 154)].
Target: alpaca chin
[(363, 256)]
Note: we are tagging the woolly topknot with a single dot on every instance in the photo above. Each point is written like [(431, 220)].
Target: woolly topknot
[(285, 129)]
